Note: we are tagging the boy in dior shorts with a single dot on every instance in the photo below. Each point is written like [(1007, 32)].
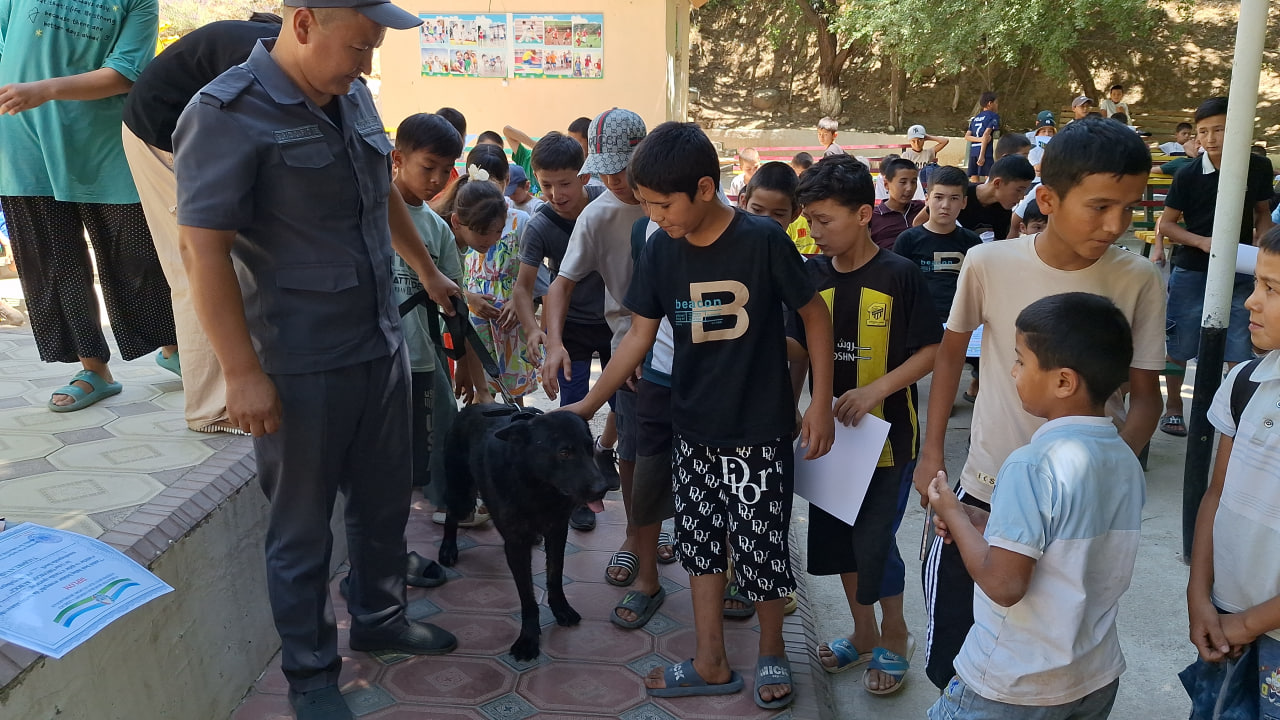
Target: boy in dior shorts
[(722, 277)]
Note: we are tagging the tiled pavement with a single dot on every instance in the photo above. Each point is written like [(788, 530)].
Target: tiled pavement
[(127, 470), (88, 470), (593, 670)]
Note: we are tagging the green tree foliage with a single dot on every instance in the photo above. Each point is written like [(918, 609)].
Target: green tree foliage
[(1063, 38)]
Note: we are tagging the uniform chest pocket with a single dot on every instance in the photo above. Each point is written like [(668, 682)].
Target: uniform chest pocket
[(378, 139), (315, 154)]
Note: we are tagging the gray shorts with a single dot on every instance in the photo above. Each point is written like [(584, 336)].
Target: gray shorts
[(960, 702), (651, 498), (625, 421)]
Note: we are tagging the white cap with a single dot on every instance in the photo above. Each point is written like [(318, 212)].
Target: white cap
[(916, 131)]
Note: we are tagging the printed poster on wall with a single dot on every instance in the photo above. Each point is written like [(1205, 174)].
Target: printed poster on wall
[(464, 45), (558, 46)]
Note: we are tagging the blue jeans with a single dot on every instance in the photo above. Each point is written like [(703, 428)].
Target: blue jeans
[(960, 702), (1186, 308)]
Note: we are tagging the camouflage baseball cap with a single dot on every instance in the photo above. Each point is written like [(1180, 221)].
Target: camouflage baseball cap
[(611, 138)]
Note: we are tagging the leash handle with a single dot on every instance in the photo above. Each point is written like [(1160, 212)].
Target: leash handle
[(460, 327)]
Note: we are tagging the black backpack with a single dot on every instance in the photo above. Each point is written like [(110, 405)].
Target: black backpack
[(1242, 390)]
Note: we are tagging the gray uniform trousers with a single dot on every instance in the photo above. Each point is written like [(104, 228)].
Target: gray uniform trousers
[(346, 429)]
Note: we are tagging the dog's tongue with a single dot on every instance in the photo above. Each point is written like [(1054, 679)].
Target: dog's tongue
[(596, 506)]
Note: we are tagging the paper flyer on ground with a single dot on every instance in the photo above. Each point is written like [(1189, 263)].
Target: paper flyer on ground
[(464, 45), (58, 589), (558, 46)]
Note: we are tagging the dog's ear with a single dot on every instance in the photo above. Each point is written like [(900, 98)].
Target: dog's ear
[(515, 432)]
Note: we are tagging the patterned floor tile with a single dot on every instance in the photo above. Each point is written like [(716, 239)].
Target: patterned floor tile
[(129, 393), (138, 455), (369, 699), (491, 561), (20, 446), (171, 401), (404, 711), (642, 666), (477, 595), (451, 680), (39, 419), (264, 707), (480, 634), (582, 687), (80, 492), (648, 711), (508, 707), (596, 640), (71, 522), (170, 425), (14, 388)]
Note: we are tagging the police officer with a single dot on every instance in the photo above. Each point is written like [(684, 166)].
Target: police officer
[(287, 221)]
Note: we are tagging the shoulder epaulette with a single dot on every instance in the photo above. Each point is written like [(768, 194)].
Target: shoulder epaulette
[(226, 87)]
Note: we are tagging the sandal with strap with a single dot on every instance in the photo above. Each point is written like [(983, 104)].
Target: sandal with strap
[(846, 655), (773, 670), (890, 663), (666, 540), (642, 604), (683, 680), (733, 593), (1173, 425), (81, 399), (627, 561)]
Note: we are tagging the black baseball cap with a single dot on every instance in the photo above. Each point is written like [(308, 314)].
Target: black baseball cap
[(380, 11)]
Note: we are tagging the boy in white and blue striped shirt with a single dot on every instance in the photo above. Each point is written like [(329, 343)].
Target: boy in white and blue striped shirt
[(1059, 546)]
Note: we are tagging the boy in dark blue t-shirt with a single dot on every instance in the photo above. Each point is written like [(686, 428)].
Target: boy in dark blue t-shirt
[(981, 129), (722, 278)]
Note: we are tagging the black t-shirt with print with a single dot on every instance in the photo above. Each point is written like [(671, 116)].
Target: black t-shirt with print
[(1195, 193), (976, 216), (881, 313), (939, 257), (729, 383)]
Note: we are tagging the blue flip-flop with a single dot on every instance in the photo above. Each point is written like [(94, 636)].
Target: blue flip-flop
[(892, 664), (101, 389), (846, 655), (684, 681), (773, 670), (173, 363), (642, 604)]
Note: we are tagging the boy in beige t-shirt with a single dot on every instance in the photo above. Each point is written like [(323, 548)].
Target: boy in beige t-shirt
[(1093, 172)]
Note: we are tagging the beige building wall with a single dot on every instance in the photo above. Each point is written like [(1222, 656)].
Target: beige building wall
[(646, 69)]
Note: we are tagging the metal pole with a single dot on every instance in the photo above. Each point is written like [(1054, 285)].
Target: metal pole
[(1246, 69)]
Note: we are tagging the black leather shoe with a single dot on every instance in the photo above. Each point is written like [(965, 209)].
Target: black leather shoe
[(583, 518), (413, 638), (325, 703)]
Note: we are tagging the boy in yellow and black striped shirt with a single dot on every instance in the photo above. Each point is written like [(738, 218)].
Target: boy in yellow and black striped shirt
[(886, 335)]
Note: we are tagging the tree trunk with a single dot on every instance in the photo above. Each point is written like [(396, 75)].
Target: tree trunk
[(897, 79), (1080, 68), (831, 58)]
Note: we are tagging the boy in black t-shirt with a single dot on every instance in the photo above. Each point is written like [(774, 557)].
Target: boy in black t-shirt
[(1192, 197), (886, 336), (938, 246), (990, 204), (722, 277)]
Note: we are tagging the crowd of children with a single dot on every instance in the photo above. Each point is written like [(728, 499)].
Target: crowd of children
[(652, 270)]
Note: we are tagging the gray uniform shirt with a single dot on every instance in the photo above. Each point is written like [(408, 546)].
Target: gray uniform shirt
[(308, 201)]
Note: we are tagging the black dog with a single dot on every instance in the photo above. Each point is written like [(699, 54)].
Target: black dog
[(532, 470)]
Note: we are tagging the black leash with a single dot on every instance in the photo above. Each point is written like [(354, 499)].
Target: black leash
[(460, 327)]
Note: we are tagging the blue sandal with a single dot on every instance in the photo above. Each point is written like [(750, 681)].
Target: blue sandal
[(773, 670), (684, 681), (101, 389), (642, 604), (846, 655), (173, 363), (892, 664)]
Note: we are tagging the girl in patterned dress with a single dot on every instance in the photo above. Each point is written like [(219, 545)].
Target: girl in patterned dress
[(488, 232)]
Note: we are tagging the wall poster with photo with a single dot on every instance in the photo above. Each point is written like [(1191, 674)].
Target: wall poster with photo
[(465, 45), (558, 46)]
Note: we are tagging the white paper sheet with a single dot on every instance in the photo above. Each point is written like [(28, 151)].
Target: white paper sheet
[(58, 589), (837, 482), (1247, 259)]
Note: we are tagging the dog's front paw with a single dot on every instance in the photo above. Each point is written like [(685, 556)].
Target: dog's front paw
[(525, 647), (448, 555), (565, 615)]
